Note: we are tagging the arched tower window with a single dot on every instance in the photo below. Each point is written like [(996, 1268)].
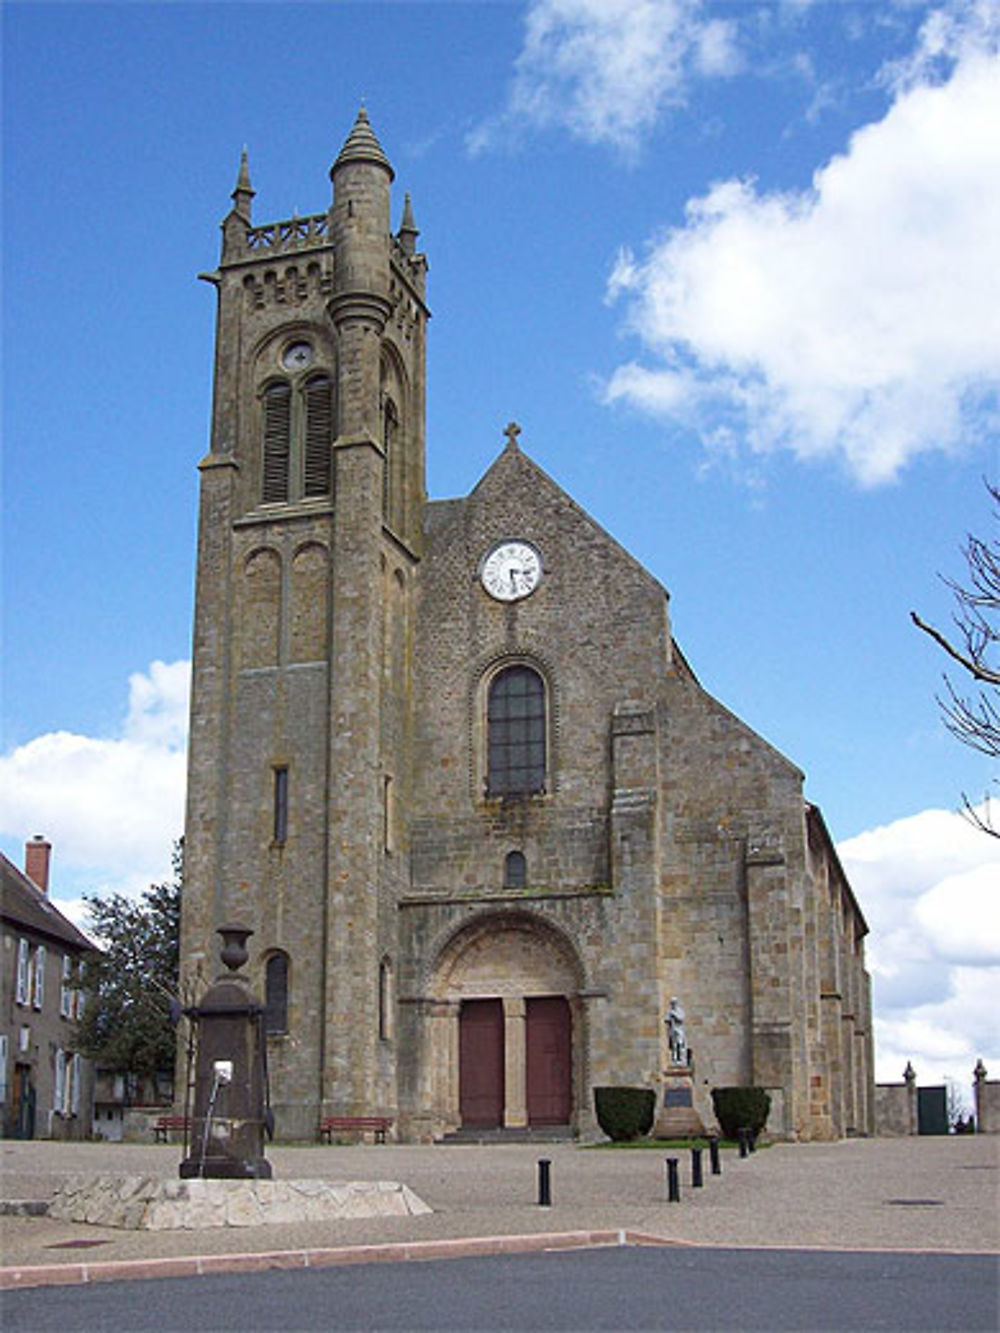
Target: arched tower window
[(318, 398), (390, 429), (515, 721), (515, 871), (276, 994), (298, 427), (277, 442)]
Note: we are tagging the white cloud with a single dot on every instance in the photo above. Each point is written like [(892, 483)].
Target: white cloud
[(859, 319), (929, 886), (605, 70), (112, 807)]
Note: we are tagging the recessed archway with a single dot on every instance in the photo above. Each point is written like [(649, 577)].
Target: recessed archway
[(506, 1050)]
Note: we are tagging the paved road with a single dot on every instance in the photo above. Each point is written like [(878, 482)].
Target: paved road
[(622, 1288)]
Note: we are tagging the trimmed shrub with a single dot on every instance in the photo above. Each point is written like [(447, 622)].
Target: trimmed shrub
[(625, 1113), (740, 1108)]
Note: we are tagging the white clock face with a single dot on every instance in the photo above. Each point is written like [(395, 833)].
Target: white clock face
[(512, 570), (297, 356)]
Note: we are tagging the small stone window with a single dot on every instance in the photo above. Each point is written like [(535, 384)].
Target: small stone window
[(515, 871), (385, 999), (280, 830), (276, 994)]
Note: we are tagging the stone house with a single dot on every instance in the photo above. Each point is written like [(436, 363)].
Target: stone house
[(45, 1088), (449, 763)]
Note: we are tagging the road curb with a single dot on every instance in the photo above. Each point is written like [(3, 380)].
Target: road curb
[(126, 1270)]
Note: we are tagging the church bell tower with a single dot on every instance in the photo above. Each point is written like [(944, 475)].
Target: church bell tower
[(311, 510)]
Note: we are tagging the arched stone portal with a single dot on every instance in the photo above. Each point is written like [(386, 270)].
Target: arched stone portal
[(505, 1041)]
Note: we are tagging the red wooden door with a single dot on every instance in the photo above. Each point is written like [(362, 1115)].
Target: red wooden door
[(480, 1063), (550, 1061)]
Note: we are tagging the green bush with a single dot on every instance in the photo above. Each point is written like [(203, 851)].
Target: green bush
[(740, 1108), (624, 1113)]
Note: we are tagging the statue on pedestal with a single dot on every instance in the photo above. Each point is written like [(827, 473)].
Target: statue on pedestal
[(676, 1038)]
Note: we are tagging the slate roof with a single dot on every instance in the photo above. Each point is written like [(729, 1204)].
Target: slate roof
[(26, 907)]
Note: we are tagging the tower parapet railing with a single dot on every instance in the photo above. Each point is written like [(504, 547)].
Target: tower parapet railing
[(294, 233)]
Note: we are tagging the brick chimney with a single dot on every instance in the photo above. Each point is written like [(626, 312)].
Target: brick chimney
[(37, 854)]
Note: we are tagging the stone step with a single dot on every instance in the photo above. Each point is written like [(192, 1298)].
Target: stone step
[(528, 1134)]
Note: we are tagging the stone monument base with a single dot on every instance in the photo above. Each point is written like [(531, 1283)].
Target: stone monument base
[(676, 1117), (150, 1203)]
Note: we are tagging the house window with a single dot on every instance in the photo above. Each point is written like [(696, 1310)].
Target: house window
[(59, 1091), (76, 1078), (516, 733), (276, 994), (66, 988), (40, 976), (23, 984), (280, 830), (515, 871)]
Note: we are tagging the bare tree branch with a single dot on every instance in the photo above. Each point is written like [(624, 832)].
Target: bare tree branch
[(975, 668), (976, 721)]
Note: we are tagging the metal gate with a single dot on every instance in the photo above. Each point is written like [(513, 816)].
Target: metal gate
[(932, 1110)]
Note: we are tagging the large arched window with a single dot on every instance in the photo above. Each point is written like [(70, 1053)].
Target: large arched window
[(276, 994), (515, 723)]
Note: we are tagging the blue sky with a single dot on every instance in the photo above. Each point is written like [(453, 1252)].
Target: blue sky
[(735, 270)]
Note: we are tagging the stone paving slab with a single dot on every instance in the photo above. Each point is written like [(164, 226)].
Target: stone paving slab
[(911, 1194)]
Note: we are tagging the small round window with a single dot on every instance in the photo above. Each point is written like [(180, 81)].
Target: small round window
[(297, 356)]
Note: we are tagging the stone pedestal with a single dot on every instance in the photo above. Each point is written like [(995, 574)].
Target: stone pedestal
[(676, 1116)]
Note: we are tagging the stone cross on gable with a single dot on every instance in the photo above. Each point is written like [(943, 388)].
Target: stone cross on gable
[(512, 431)]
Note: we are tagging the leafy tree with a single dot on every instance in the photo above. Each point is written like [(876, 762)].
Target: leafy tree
[(128, 987), (975, 719)]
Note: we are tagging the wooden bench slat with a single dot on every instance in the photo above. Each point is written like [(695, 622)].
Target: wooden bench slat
[(378, 1124)]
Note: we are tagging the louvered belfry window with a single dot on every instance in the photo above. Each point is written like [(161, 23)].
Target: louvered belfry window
[(319, 434), (516, 732), (277, 443)]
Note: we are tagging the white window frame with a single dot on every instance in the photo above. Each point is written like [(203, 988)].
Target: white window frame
[(39, 986), (23, 972), (59, 1088), (66, 988), (76, 1071)]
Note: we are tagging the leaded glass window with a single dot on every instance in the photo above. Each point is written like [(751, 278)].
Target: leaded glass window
[(516, 733)]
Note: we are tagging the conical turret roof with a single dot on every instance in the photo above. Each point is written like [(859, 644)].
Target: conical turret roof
[(361, 145)]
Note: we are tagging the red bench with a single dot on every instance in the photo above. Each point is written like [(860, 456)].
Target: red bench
[(165, 1124), (336, 1124)]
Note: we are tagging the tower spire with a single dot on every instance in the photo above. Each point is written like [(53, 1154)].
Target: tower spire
[(361, 145), (244, 192), (408, 230)]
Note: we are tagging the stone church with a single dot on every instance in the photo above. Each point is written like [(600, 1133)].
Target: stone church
[(448, 762)]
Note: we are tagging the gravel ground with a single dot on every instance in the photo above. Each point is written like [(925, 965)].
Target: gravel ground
[(937, 1194)]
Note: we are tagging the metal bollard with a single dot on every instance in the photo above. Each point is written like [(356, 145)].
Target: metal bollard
[(713, 1156), (741, 1134), (696, 1180), (673, 1181), (751, 1140), (544, 1183)]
